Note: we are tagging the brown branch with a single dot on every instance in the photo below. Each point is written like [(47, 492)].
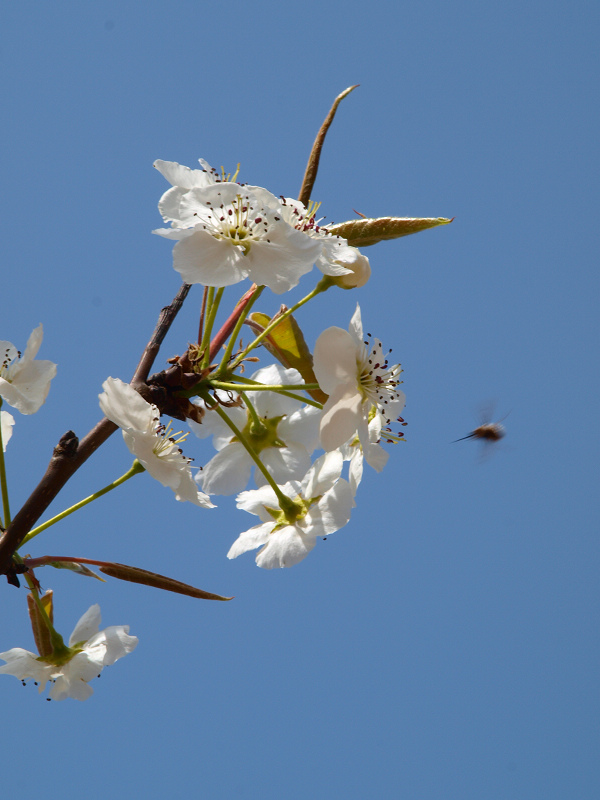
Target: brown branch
[(165, 320), (70, 453), (310, 175)]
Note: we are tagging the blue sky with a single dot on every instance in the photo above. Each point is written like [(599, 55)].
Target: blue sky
[(445, 643)]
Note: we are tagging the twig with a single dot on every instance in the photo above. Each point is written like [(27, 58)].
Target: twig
[(70, 453)]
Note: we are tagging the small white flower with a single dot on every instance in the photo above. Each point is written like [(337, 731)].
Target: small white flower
[(7, 421), (289, 435), (93, 650), (25, 382), (149, 441), (324, 503), (227, 232), (357, 377)]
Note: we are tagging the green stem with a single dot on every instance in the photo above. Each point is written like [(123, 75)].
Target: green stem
[(322, 286), (257, 424), (279, 389), (136, 467), (284, 501), (214, 299), (5, 521), (238, 326), (264, 387)]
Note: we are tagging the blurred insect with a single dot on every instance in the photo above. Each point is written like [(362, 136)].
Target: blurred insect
[(488, 432)]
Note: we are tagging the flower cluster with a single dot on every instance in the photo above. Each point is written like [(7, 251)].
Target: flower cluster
[(89, 651), (290, 437)]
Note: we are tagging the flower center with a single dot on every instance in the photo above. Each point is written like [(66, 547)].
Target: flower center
[(377, 379), (305, 221), (6, 364), (263, 433), (239, 222), (165, 441)]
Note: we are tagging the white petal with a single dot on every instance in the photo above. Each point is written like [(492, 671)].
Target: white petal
[(356, 469), (111, 644), (63, 687), (333, 509), (283, 463), (323, 474), (88, 626), (23, 664), (255, 500), (188, 491), (343, 415), (376, 456), (200, 258), (280, 262), (121, 404), (302, 426), (228, 472), (251, 539), (286, 547), (6, 421), (213, 425), (187, 178), (335, 359), (356, 328)]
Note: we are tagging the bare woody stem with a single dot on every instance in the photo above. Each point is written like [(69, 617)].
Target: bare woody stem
[(165, 320), (70, 453)]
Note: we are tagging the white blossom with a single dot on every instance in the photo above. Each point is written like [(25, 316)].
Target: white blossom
[(357, 377), (149, 441), (324, 503), (284, 444), (93, 650), (227, 232), (24, 381)]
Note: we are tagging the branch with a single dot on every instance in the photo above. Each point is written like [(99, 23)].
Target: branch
[(70, 453), (165, 320)]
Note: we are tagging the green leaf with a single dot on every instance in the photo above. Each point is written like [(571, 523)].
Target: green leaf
[(286, 343), (365, 232)]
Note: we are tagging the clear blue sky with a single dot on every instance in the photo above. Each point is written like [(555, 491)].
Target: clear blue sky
[(445, 643)]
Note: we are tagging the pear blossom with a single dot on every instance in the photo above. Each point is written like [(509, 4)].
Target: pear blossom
[(227, 232), (289, 435), (324, 502), (357, 377), (92, 650), (149, 441), (6, 421), (24, 381)]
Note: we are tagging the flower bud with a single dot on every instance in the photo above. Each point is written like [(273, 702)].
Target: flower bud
[(360, 272)]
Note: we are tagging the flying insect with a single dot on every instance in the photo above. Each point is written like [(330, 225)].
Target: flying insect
[(489, 432)]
